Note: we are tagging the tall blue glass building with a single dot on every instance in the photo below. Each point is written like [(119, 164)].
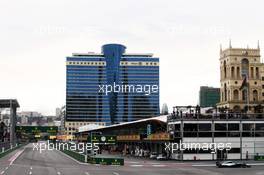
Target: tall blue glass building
[(112, 86)]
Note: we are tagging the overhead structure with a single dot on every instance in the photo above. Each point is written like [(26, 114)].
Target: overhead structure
[(12, 104)]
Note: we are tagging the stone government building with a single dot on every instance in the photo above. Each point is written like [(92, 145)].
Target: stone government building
[(235, 65)]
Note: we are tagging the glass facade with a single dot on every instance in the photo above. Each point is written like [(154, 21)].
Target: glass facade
[(209, 96), (112, 87)]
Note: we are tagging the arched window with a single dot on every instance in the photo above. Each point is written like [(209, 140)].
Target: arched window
[(252, 72), (232, 72), (245, 67), (255, 95), (224, 69), (238, 72), (257, 72), (236, 94)]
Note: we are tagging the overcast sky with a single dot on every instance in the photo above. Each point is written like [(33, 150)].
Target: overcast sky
[(36, 36)]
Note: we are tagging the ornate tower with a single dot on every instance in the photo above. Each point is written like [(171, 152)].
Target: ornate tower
[(238, 65)]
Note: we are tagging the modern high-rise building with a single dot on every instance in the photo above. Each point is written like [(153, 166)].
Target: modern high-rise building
[(57, 112), (209, 96), (111, 87), (242, 78), (164, 109)]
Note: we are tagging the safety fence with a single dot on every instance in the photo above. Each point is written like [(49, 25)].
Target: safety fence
[(8, 149)]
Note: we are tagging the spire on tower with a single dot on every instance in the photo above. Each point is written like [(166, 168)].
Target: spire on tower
[(220, 48), (230, 45), (258, 44)]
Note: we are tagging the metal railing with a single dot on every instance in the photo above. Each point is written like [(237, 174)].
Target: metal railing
[(218, 116), (5, 146)]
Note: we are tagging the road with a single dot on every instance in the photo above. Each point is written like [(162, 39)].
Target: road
[(26, 161)]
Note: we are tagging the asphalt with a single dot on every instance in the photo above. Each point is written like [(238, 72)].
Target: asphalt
[(26, 161)]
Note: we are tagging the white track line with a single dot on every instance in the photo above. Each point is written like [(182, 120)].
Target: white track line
[(136, 165), (158, 165), (14, 157), (204, 165), (256, 164)]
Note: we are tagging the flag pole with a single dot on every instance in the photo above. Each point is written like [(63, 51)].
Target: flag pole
[(248, 97)]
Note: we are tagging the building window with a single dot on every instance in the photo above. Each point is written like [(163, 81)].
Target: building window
[(190, 127), (220, 127), (245, 67), (220, 134), (238, 72), (205, 127), (234, 150), (257, 72), (225, 93), (224, 69), (259, 126), (233, 126), (252, 72), (236, 94), (255, 95), (232, 72)]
